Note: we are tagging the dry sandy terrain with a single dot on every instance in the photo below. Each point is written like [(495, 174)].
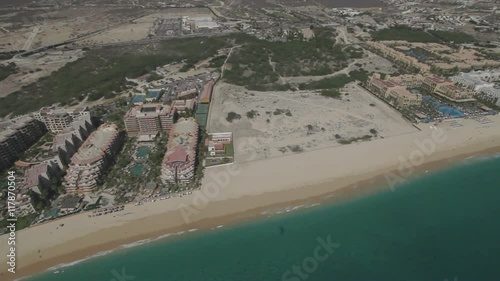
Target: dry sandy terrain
[(375, 63), (126, 32), (46, 28), (313, 122), (230, 193), (141, 27), (34, 67), (49, 27)]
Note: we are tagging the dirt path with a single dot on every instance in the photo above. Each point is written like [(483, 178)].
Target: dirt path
[(273, 66), (227, 58), (216, 86)]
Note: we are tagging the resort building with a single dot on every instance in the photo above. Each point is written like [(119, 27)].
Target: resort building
[(178, 164), (399, 57), (23, 205), (454, 93), (435, 57), (393, 92), (41, 176), (478, 80), (190, 91), (16, 136), (430, 83), (66, 143), (92, 159), (59, 119), (183, 106), (220, 148), (378, 86), (490, 94), (400, 97), (216, 142), (71, 203), (472, 82), (447, 89), (149, 119), (206, 94), (408, 80)]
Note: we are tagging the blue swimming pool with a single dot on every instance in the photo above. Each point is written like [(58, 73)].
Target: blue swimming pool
[(446, 110), (450, 111)]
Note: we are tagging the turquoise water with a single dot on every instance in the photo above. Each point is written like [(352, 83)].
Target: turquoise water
[(446, 110), (142, 152), (450, 111), (137, 169), (444, 226)]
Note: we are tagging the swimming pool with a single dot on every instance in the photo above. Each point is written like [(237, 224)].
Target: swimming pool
[(450, 111), (446, 110), (142, 152), (137, 169)]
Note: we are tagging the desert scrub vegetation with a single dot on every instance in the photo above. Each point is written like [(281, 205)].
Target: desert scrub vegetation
[(7, 69), (101, 73), (252, 114), (404, 33), (295, 148), (331, 93), (258, 64), (232, 116)]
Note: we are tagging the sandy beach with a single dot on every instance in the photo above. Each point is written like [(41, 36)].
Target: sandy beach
[(238, 192)]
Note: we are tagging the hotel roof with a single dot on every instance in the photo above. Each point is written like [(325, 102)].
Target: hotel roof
[(9, 127), (184, 104), (149, 110), (95, 145), (179, 154), (438, 79), (207, 92), (70, 201), (31, 175), (453, 87), (401, 91), (182, 141), (384, 82)]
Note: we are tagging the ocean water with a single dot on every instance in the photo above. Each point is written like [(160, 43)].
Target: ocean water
[(443, 226)]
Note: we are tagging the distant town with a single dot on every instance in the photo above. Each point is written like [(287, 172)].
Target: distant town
[(134, 110)]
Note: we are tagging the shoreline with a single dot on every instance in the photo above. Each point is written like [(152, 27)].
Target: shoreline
[(342, 195), (233, 209)]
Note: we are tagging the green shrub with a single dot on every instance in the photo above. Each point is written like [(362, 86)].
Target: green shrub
[(232, 116)]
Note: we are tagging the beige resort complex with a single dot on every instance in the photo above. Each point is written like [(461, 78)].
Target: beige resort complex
[(178, 165), (93, 157)]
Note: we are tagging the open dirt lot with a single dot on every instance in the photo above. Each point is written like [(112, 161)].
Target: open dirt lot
[(46, 26), (141, 27), (375, 63), (21, 31), (291, 122)]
